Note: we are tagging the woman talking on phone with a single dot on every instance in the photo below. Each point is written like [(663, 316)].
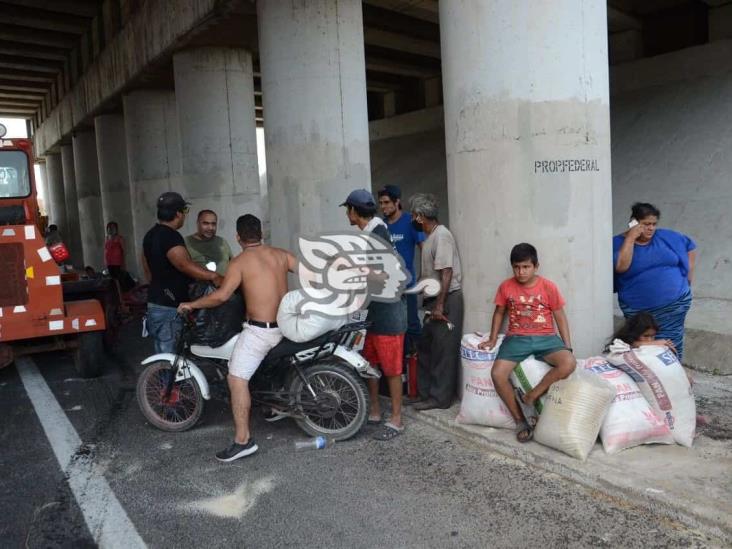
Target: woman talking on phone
[(654, 269)]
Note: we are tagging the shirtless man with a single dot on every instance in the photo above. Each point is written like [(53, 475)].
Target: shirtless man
[(261, 272)]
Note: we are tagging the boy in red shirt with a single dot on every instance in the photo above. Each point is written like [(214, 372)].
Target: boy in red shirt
[(534, 304)]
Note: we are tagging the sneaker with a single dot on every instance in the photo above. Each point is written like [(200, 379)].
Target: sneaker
[(236, 451)]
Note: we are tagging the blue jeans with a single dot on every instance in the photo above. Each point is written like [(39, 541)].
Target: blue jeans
[(164, 326)]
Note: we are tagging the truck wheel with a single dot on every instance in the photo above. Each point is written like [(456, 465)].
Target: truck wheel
[(88, 354)]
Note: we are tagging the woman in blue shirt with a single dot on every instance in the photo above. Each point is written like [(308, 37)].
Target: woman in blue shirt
[(654, 269)]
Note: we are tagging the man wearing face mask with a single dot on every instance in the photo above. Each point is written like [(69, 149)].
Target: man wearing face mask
[(439, 346)]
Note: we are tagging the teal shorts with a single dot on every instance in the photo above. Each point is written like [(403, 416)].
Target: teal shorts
[(518, 348)]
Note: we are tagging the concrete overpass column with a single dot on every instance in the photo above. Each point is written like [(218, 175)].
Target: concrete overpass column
[(89, 195), (114, 179), (72, 234), (153, 155), (528, 151), (56, 204), (42, 185), (214, 91), (315, 121)]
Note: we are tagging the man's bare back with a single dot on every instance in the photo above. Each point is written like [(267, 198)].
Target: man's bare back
[(263, 277), (261, 273)]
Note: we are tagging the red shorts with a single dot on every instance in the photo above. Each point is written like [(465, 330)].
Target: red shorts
[(385, 351)]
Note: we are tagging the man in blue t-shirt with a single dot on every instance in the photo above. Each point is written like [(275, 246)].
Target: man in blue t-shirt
[(405, 237)]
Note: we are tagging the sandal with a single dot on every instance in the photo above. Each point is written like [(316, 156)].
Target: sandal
[(388, 432), (374, 420), (524, 433)]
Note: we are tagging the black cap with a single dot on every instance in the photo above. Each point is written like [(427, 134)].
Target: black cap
[(360, 198), (392, 191), (172, 201)]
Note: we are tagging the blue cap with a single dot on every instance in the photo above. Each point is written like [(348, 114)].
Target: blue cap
[(360, 198)]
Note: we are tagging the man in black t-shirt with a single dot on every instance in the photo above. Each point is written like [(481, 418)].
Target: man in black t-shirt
[(169, 269)]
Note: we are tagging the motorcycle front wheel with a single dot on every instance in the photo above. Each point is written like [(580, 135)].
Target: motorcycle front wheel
[(340, 406), (175, 411)]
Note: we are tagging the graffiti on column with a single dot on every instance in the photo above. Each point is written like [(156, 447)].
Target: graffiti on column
[(566, 165)]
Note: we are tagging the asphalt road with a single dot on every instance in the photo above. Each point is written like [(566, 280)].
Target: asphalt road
[(424, 489)]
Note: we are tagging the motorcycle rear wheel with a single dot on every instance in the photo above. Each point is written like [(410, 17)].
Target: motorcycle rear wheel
[(341, 406), (176, 412)]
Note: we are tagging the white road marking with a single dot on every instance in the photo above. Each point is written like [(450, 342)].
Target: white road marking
[(104, 515)]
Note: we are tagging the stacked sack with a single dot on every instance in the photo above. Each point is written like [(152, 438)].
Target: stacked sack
[(480, 404), (630, 421), (662, 381), (573, 413)]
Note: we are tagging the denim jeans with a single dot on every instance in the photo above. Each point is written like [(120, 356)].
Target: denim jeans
[(414, 326), (164, 326)]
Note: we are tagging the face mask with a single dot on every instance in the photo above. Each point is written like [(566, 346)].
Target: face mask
[(417, 226)]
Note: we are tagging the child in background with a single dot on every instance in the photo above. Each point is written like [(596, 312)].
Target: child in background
[(638, 330), (534, 305)]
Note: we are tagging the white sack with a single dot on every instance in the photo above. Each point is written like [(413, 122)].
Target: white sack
[(480, 404), (630, 421), (573, 413), (662, 380), (527, 375), (303, 327)]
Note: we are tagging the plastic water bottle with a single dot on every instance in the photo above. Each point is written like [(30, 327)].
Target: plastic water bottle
[(317, 443)]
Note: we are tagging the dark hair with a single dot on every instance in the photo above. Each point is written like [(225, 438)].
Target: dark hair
[(390, 192), (363, 211), (52, 227), (112, 223), (524, 252), (167, 214), (249, 228), (204, 212), (633, 328), (641, 210)]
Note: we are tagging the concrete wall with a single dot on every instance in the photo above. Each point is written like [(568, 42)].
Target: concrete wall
[(409, 151), (671, 145)]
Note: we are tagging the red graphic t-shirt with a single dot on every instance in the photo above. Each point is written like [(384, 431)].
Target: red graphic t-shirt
[(530, 309)]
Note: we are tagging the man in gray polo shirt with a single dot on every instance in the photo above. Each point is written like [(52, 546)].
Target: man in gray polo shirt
[(439, 347)]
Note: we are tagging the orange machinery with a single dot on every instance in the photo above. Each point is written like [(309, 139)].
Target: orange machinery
[(33, 314)]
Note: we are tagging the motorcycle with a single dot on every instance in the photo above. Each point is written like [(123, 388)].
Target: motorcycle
[(319, 384)]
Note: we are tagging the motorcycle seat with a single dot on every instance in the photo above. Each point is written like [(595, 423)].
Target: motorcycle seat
[(223, 352), (288, 347)]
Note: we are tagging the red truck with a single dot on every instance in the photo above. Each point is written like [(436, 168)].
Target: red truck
[(35, 315)]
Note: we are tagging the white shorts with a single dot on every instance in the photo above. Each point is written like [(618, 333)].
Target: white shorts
[(252, 346)]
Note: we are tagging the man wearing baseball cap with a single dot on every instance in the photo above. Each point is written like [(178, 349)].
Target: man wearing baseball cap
[(169, 269), (384, 345)]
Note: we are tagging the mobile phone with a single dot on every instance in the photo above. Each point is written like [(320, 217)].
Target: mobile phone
[(633, 223)]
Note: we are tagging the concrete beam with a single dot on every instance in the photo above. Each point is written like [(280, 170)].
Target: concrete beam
[(401, 42), (6, 93), (8, 47), (81, 8), (11, 84), (426, 10), (16, 111), (389, 66), (153, 31), (30, 64), (42, 20), (18, 34), (45, 78), (17, 102)]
